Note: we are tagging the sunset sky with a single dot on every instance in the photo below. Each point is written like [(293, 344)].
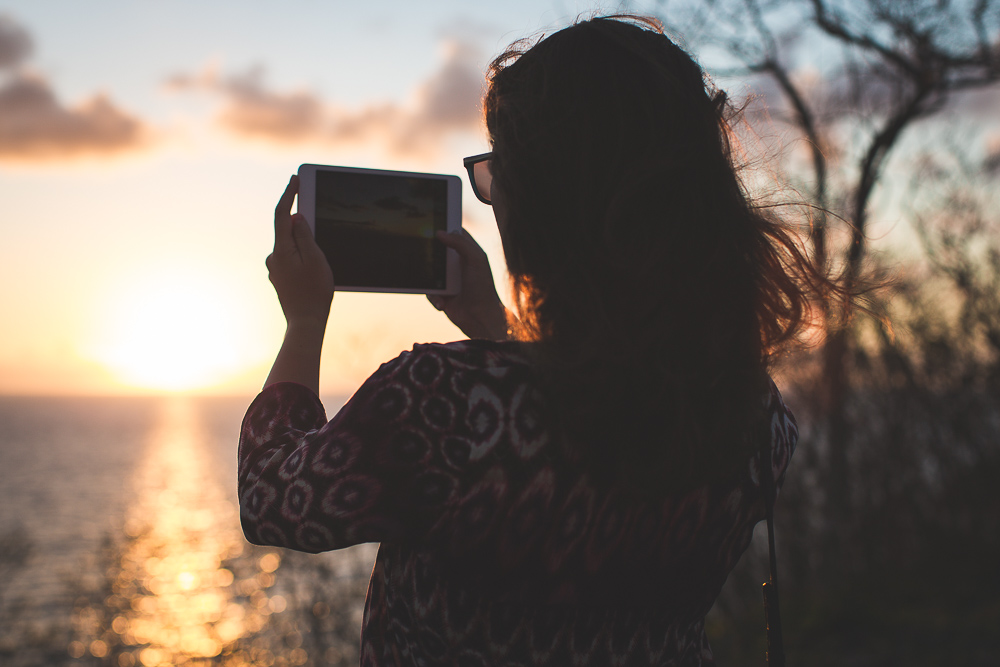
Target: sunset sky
[(143, 147)]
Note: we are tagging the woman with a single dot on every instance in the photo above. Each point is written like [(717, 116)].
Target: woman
[(579, 493)]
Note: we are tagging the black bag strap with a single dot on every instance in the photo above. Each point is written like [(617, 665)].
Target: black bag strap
[(775, 655)]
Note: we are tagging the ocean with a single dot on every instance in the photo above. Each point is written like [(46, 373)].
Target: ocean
[(120, 544)]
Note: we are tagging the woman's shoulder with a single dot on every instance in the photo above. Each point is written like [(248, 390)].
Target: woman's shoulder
[(426, 361), (479, 351)]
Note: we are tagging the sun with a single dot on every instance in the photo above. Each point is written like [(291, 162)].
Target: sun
[(173, 332)]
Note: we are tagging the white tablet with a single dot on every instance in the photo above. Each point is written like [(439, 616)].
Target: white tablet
[(377, 227)]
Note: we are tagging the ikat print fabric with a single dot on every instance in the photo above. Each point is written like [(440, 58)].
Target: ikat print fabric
[(496, 548)]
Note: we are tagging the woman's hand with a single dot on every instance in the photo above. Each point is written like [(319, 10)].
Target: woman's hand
[(304, 283), (297, 267), (476, 309)]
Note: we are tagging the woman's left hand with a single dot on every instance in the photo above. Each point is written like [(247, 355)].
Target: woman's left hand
[(476, 309), (297, 267)]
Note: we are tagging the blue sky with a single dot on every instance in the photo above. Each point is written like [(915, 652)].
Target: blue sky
[(355, 51)]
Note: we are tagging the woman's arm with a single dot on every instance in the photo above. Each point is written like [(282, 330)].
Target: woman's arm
[(303, 282), (376, 472), (298, 357)]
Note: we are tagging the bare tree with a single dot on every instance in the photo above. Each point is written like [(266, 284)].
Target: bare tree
[(884, 65), (903, 433), (889, 62)]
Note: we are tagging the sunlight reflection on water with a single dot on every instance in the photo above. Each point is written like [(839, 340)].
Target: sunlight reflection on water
[(174, 595), (180, 595), (172, 581)]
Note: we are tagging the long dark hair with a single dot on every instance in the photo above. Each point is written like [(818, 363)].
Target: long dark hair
[(655, 293)]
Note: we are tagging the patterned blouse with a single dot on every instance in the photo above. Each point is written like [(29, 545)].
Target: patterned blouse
[(495, 549)]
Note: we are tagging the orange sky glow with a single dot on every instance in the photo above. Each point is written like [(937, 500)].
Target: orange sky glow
[(136, 202), (138, 177)]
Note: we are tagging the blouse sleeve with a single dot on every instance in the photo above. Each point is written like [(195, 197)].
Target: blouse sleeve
[(312, 485)]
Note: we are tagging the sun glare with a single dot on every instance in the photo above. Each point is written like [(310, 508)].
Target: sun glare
[(173, 333)]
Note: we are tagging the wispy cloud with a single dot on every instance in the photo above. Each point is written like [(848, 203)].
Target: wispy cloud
[(15, 42), (36, 126), (991, 163), (447, 102), (251, 110)]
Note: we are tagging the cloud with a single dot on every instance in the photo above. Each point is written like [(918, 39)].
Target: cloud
[(980, 103), (15, 43), (991, 163), (253, 111), (446, 103), (451, 98), (36, 126)]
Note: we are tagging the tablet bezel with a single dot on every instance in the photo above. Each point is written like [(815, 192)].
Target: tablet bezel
[(306, 205)]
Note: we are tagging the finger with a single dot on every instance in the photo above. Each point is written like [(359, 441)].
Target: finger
[(461, 242), (304, 240), (283, 216)]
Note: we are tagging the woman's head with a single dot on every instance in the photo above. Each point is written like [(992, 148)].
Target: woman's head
[(650, 281), (607, 148)]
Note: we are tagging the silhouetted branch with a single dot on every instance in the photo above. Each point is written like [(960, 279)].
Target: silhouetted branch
[(836, 27), (900, 448)]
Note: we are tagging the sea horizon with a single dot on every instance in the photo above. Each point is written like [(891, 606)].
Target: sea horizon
[(120, 541)]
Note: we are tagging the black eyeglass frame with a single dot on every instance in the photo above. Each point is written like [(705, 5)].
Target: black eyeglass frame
[(470, 166)]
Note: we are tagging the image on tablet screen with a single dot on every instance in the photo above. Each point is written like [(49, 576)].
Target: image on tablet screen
[(378, 230)]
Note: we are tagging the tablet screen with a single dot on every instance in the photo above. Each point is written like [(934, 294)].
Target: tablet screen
[(377, 230)]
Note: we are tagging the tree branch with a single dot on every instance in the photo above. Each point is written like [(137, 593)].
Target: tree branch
[(840, 31), (871, 167), (805, 120)]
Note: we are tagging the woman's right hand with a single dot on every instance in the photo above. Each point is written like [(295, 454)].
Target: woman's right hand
[(303, 281), (297, 268), (476, 309)]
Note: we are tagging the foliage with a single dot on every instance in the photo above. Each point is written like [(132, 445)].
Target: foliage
[(889, 523)]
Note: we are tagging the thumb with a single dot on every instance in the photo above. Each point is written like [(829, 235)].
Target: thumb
[(301, 233)]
